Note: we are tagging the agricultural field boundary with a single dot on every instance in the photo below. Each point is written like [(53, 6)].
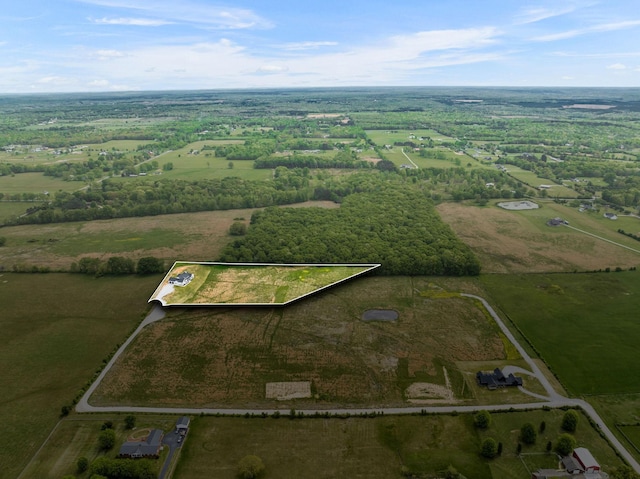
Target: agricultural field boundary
[(555, 400)]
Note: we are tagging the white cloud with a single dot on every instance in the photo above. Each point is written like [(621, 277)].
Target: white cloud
[(604, 27), (307, 45), (189, 12), (99, 83), (270, 69), (533, 14), (107, 54), (137, 22), (617, 66), (566, 77)]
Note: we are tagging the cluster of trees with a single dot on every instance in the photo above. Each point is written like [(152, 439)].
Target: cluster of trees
[(399, 229), (124, 468), (340, 160), (114, 199), (621, 231), (118, 265)]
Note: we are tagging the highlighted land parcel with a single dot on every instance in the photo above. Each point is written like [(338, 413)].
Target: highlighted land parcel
[(249, 284)]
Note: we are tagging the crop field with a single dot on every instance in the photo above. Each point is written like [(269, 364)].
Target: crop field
[(375, 447), (520, 241), (35, 183), (584, 325), (225, 357), (57, 329), (257, 284)]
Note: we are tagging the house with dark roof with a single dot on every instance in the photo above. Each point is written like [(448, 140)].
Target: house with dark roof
[(149, 448), (182, 279), (182, 425), (496, 379)]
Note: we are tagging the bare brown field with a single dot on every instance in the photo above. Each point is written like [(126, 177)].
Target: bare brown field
[(193, 236), (225, 357), (520, 242)]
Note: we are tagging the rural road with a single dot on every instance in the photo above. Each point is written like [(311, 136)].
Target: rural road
[(155, 314), (410, 160), (553, 398)]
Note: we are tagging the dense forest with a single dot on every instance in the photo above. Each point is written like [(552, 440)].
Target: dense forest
[(399, 229)]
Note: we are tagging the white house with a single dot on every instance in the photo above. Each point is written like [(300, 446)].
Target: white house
[(182, 279)]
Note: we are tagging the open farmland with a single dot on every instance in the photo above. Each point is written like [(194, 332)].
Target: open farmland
[(376, 447), (583, 325), (225, 357), (217, 283), (199, 236), (520, 241), (54, 343)]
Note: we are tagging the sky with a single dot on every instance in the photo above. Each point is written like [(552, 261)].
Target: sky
[(140, 45)]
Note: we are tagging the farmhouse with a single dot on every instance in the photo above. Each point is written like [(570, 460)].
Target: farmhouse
[(182, 279), (611, 216), (496, 379), (579, 465), (150, 447)]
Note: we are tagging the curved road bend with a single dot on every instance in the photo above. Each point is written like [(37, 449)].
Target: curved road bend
[(554, 400), (155, 314)]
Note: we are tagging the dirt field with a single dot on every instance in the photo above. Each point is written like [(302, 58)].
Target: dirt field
[(226, 357), (520, 242)]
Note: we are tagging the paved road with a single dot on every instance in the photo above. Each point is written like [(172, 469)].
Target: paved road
[(155, 314), (553, 399)]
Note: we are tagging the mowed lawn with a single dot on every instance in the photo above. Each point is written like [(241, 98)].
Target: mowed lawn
[(585, 326), (56, 331)]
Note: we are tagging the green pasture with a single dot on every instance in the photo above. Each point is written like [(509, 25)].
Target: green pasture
[(583, 325), (36, 183), (376, 447), (389, 137), (530, 178), (77, 436), (10, 209), (57, 329), (117, 145), (76, 239)]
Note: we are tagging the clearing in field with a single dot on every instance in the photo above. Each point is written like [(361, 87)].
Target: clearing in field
[(519, 205), (249, 284)]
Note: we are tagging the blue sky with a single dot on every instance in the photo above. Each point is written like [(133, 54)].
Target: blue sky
[(114, 45)]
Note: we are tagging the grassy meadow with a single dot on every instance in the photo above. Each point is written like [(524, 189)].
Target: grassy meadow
[(57, 329), (583, 325), (225, 356), (35, 183), (381, 447)]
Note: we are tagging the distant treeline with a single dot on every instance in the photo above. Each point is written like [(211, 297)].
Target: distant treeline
[(115, 199), (399, 229)]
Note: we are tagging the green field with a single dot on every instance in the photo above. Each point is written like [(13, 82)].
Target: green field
[(583, 325), (530, 178), (57, 329), (35, 183), (379, 447)]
